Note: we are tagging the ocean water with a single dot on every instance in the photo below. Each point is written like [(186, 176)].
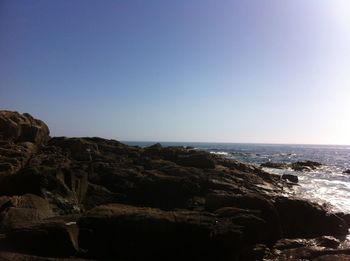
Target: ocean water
[(327, 184)]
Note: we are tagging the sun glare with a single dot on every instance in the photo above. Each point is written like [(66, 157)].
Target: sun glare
[(341, 11)]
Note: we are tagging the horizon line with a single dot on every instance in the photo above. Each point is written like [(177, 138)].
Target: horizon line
[(228, 142)]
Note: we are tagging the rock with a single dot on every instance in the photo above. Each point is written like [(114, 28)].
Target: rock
[(324, 241), (327, 241), (182, 156), (346, 171), (305, 165), (197, 160), (303, 219), (22, 127), (345, 217), (11, 256), (297, 166), (291, 178), (79, 148), (52, 239), (18, 210), (163, 191), (156, 146), (274, 165), (119, 230), (99, 195), (267, 212), (286, 243), (6, 167), (332, 258), (28, 180), (13, 156), (172, 203), (255, 252), (308, 253)]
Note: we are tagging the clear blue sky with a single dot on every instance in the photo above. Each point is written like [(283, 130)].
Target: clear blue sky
[(187, 70)]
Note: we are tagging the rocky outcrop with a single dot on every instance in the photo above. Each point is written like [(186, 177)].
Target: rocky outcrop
[(95, 198), (18, 127), (274, 165), (307, 165), (20, 137)]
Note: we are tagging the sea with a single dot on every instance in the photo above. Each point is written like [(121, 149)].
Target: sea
[(326, 185)]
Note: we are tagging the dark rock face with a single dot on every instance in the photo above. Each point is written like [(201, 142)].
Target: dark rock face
[(66, 198), (291, 178), (346, 171), (295, 214), (115, 230), (270, 228), (45, 239)]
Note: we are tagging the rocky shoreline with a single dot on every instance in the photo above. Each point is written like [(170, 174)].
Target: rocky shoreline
[(97, 199)]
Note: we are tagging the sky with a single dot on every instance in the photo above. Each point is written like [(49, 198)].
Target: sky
[(259, 71)]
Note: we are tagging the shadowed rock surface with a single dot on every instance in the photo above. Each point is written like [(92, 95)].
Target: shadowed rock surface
[(92, 198)]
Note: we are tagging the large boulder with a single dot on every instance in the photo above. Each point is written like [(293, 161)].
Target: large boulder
[(303, 219), (22, 127)]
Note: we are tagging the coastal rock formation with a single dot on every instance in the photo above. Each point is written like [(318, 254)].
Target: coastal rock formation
[(274, 165), (295, 213), (92, 198), (18, 127), (307, 165)]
